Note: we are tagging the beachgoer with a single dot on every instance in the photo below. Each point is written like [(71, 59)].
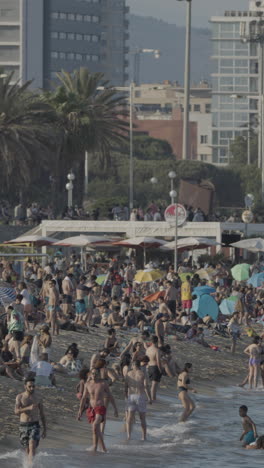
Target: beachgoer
[(136, 391), (258, 445), (154, 366), (254, 352), (249, 434), (186, 295), (29, 407), (184, 387), (96, 390)]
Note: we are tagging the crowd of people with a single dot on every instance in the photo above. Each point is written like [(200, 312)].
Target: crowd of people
[(61, 296)]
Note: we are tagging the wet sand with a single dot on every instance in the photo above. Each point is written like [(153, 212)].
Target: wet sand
[(211, 369)]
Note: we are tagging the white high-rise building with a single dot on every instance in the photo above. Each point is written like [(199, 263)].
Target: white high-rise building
[(235, 79)]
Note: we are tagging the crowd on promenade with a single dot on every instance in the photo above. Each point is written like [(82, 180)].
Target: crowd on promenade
[(33, 213), (62, 296)]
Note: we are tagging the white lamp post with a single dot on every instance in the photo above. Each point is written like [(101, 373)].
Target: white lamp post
[(69, 187)]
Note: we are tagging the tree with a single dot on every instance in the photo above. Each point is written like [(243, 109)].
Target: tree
[(148, 148), (25, 132)]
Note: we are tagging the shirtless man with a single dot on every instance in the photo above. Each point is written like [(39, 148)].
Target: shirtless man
[(114, 319), (249, 434), (68, 290), (80, 308), (29, 408), (136, 390), (45, 296), (53, 306), (155, 366), (101, 354), (96, 390), (136, 339), (159, 329), (111, 342)]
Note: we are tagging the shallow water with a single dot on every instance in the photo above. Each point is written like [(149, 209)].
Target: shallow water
[(209, 439)]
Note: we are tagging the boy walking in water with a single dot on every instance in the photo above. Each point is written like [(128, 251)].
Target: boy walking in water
[(249, 434)]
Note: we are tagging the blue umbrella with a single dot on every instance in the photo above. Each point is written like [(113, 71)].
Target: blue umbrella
[(256, 280), (199, 290), (206, 305), (227, 306)]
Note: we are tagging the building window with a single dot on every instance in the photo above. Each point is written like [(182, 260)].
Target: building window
[(88, 57), (62, 55), (79, 37), (197, 108), (70, 56), (95, 38), (62, 35), (95, 58), (79, 17), (78, 57), (54, 55), (87, 37), (207, 108), (71, 36), (55, 15), (204, 139), (95, 19), (203, 157), (87, 18), (54, 35), (63, 16), (71, 16)]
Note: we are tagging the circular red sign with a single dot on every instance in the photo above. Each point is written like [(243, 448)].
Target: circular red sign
[(170, 211)]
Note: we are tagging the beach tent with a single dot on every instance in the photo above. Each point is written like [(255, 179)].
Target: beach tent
[(256, 280), (227, 306), (206, 305)]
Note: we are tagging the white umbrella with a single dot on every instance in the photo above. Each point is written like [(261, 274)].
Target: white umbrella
[(33, 239), (190, 243), (83, 241), (253, 245)]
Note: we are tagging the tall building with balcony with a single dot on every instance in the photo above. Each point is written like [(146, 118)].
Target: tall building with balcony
[(39, 38), (235, 80)]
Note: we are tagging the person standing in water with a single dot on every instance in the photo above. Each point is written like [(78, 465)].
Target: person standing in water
[(136, 391), (96, 390), (184, 387), (29, 408), (249, 434)]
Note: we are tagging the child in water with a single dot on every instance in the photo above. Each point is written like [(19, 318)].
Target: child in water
[(249, 434)]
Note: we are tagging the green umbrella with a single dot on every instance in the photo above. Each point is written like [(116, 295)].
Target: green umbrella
[(241, 272), (183, 275), (100, 279)]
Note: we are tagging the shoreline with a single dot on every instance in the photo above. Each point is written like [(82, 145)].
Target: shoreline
[(212, 369)]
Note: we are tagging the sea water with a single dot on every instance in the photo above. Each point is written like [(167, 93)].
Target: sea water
[(209, 439)]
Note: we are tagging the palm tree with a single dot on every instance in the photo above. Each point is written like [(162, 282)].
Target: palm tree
[(25, 132), (91, 119)]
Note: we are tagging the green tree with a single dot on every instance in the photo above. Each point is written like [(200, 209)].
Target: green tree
[(148, 148), (26, 134)]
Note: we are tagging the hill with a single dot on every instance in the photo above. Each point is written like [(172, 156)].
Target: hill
[(148, 32)]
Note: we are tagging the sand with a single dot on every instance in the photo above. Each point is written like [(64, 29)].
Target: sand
[(211, 369)]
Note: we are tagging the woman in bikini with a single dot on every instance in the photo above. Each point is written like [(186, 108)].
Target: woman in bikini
[(184, 388), (254, 352)]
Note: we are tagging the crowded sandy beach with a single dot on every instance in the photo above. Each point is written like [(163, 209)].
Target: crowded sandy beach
[(93, 358)]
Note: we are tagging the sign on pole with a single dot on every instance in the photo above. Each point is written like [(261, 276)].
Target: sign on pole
[(247, 216), (170, 213)]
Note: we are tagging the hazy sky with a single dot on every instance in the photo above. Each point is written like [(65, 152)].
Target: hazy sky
[(173, 11)]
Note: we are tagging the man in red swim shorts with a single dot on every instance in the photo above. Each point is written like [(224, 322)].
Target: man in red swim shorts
[(97, 391)]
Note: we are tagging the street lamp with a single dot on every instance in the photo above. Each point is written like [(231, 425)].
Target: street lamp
[(69, 187), (253, 31), (186, 119), (137, 55), (173, 195)]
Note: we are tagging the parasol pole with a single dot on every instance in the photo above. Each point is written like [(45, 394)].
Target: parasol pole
[(144, 249)]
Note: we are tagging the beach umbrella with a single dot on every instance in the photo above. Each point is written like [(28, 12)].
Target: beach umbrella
[(206, 273), (7, 295), (147, 276), (100, 279), (191, 243), (154, 297), (83, 241), (184, 275), (141, 243), (38, 241), (240, 272), (253, 245), (206, 305), (199, 290), (256, 280), (227, 306)]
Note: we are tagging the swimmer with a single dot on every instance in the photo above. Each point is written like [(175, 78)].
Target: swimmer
[(184, 387), (258, 445), (249, 434)]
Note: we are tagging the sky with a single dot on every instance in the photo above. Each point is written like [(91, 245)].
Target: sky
[(173, 11)]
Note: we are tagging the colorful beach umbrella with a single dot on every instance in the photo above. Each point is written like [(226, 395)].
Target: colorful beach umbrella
[(227, 306), (206, 305), (147, 276), (199, 290), (100, 279), (35, 240), (206, 273), (184, 275), (241, 272), (256, 280), (154, 297)]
